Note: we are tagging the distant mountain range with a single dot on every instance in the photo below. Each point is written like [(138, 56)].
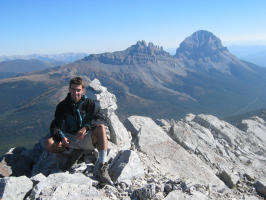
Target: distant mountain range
[(50, 58), (252, 53), (11, 66), (202, 77)]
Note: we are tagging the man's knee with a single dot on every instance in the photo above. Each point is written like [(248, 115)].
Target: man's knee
[(99, 129), (53, 147), (98, 133), (49, 143)]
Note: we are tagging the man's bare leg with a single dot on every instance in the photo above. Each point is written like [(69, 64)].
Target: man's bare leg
[(100, 139), (54, 147), (101, 169)]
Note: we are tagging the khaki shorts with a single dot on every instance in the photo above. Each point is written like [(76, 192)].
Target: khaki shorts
[(85, 144)]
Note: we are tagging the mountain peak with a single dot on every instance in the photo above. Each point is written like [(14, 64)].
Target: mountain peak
[(141, 47), (200, 44)]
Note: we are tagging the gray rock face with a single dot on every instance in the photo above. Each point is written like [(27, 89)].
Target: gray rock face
[(179, 195), (107, 101), (118, 133), (172, 158), (65, 186), (14, 188), (126, 166), (260, 187), (255, 126), (231, 153), (146, 192), (99, 93)]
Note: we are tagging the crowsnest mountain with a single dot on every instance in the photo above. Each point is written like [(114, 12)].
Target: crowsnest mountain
[(204, 51), (200, 44), (203, 77)]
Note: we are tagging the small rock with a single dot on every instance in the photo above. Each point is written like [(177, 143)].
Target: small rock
[(260, 187)]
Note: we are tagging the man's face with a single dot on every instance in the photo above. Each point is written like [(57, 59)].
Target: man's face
[(76, 92)]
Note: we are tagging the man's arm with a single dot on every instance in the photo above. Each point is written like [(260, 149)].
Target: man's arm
[(56, 126)]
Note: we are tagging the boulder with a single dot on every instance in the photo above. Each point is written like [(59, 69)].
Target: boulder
[(126, 166), (260, 187), (65, 186), (107, 102), (96, 91), (38, 178), (146, 192), (15, 188), (229, 178), (179, 195), (118, 133)]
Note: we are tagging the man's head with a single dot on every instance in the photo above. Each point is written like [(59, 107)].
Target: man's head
[(76, 88)]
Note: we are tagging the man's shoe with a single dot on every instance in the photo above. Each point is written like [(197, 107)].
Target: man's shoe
[(100, 171)]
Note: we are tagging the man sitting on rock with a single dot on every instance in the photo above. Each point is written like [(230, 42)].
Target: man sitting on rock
[(78, 124)]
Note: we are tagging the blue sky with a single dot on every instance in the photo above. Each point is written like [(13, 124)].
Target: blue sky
[(58, 26)]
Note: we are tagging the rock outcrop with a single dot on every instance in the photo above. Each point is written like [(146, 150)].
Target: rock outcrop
[(198, 157)]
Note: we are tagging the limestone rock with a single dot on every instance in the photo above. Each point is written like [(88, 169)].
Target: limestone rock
[(172, 158), (229, 151), (256, 126), (221, 129), (228, 178), (146, 192), (118, 133), (38, 178), (179, 195), (126, 166), (99, 93), (107, 102), (260, 187), (65, 186), (14, 188)]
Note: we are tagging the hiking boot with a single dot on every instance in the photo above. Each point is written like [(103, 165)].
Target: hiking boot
[(100, 171)]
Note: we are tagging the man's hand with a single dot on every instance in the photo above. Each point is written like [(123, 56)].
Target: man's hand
[(81, 133), (65, 142)]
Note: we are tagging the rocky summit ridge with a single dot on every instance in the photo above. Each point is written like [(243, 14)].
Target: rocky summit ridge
[(140, 53), (198, 157)]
